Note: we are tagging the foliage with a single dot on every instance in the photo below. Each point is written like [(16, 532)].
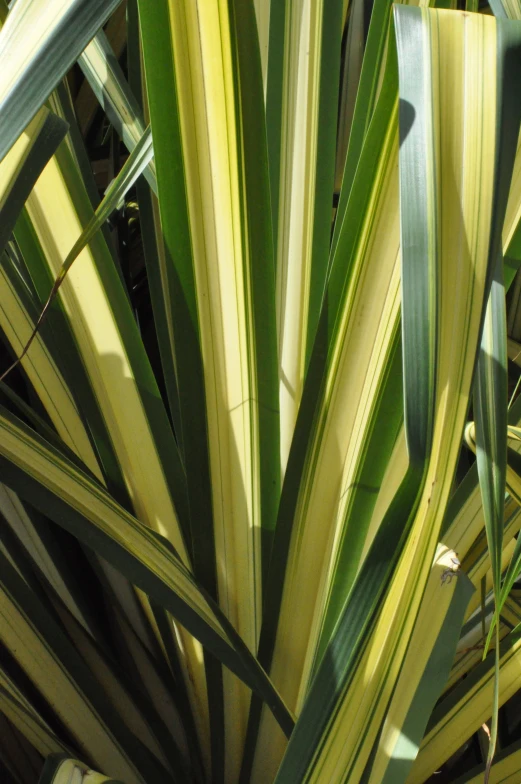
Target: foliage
[(243, 536)]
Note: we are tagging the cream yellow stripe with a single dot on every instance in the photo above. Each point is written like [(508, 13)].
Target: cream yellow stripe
[(23, 716), (299, 139), (58, 225), (433, 611), (44, 375), (466, 716), (364, 336), (44, 669), (211, 147), (464, 235), (97, 506)]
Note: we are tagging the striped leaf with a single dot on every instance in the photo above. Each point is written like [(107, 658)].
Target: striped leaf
[(302, 188), (491, 425), (354, 373), (425, 669), (106, 78), (218, 287), (505, 770), (328, 737), (506, 9), (137, 161), (31, 71), (467, 707), (41, 649), (139, 511), (61, 769), (22, 714), (22, 167), (117, 368), (96, 519)]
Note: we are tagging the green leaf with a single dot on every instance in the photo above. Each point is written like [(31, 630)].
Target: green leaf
[(310, 75), (153, 245), (359, 16), (22, 714), (108, 83), (506, 768), (425, 670), (466, 708), (130, 171), (344, 390), (366, 100), (41, 648), (36, 54), (328, 733), (77, 503), (22, 167), (490, 409), (218, 289), (506, 9)]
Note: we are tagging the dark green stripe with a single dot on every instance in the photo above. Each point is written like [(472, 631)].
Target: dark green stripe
[(418, 235), (40, 152)]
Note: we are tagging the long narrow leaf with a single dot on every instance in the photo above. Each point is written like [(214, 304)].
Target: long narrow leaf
[(218, 286), (106, 78), (328, 736), (425, 668), (465, 709), (491, 426), (22, 167), (33, 61), (122, 540)]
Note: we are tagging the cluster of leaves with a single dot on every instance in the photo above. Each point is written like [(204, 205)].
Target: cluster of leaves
[(238, 536)]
